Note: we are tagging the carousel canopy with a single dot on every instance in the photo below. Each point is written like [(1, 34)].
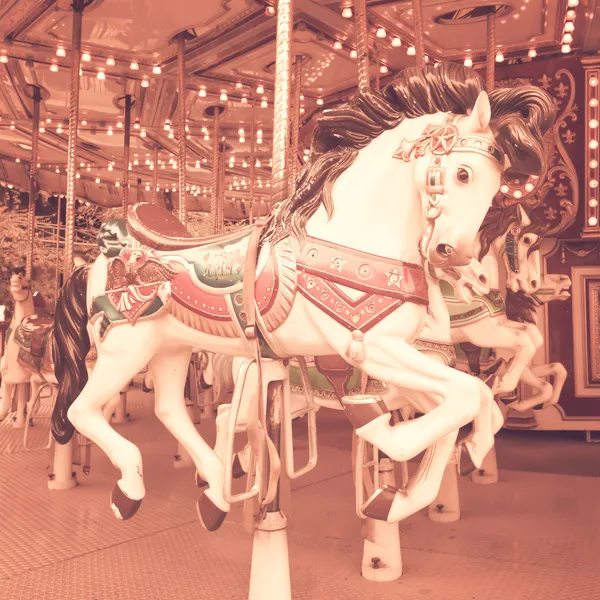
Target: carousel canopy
[(130, 47)]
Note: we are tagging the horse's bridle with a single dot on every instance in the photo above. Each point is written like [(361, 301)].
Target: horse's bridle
[(440, 141), (512, 250)]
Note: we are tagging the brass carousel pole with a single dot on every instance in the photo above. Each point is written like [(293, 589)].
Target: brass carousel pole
[(182, 124), (270, 560), (63, 478), (490, 66), (221, 188), (36, 94), (362, 44), (214, 199), (418, 28), (252, 161), (295, 124), (155, 177), (126, 149)]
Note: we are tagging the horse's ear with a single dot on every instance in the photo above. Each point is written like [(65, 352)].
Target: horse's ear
[(524, 220), (481, 113)]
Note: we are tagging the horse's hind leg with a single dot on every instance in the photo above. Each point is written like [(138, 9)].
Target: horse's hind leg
[(110, 375), (169, 373)]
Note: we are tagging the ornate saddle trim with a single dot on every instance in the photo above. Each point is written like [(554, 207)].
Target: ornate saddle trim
[(33, 337), (386, 283), (487, 305), (444, 349), (156, 227)]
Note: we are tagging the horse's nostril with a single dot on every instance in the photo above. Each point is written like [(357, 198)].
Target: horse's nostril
[(444, 250), (483, 279), (534, 283)]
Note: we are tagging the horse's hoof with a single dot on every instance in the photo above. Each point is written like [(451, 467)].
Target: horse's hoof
[(123, 506), (210, 515), (237, 471), (145, 388), (378, 506), (361, 410), (200, 481), (466, 466)]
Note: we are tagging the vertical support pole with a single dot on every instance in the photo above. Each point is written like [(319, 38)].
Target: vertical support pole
[(57, 250), (252, 161), (139, 197), (35, 136), (446, 506), (490, 65), (126, 148), (182, 124), (270, 559), (382, 558), (362, 44), (295, 125), (78, 6), (214, 199), (63, 477), (221, 188), (489, 469), (418, 28), (155, 177)]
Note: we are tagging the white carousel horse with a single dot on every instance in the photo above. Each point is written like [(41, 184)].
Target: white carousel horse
[(523, 308), (11, 372), (512, 258), (392, 180), (434, 341)]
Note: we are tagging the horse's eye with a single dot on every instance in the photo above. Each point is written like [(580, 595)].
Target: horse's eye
[(462, 175), (527, 240)]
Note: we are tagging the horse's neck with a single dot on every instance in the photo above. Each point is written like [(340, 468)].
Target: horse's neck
[(377, 208), (493, 263), (23, 308)]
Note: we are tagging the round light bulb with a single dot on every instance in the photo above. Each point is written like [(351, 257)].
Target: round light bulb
[(593, 81), (593, 144), (202, 93), (223, 97), (593, 221), (101, 75), (86, 57), (320, 101), (383, 69), (569, 27), (110, 61), (381, 33), (260, 89), (468, 62), (60, 51), (156, 70), (593, 203), (594, 102), (134, 66), (565, 48), (573, 3), (593, 123), (411, 51), (54, 68), (594, 183), (347, 13), (337, 45), (593, 164), (567, 38), (529, 187), (532, 53), (396, 42), (504, 189), (499, 57), (353, 53), (3, 58), (145, 83)]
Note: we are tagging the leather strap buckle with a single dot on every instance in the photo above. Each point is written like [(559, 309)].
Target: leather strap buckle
[(251, 332)]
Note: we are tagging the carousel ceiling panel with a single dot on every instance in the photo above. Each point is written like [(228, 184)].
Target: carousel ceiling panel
[(458, 27), (140, 27)]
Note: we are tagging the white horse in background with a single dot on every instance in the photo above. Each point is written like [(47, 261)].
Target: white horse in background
[(509, 248)]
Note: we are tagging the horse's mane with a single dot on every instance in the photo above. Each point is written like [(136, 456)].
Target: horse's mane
[(520, 307), (498, 220), (520, 117)]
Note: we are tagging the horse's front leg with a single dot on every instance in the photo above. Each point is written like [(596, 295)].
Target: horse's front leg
[(169, 373), (398, 363), (502, 334)]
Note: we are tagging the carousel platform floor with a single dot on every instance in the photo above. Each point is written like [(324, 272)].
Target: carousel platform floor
[(533, 536)]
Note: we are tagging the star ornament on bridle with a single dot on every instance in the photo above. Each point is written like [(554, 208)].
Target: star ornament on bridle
[(437, 139)]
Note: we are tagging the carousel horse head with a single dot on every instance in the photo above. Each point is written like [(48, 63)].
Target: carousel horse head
[(433, 136), (517, 241), (19, 285), (467, 281)]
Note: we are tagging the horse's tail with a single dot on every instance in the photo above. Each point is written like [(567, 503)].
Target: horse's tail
[(71, 345)]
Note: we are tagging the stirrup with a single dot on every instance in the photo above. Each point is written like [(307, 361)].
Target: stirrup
[(311, 414), (378, 506), (363, 409)]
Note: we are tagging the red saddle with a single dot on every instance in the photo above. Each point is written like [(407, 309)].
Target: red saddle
[(157, 228)]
